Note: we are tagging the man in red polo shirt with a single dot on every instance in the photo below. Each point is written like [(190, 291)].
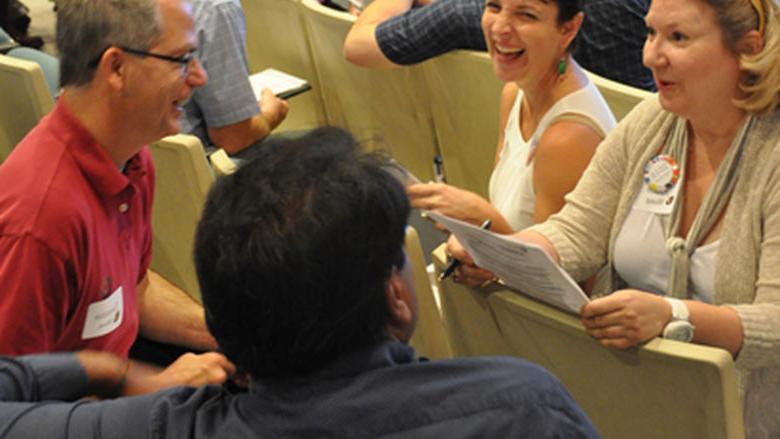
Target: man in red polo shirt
[(75, 227)]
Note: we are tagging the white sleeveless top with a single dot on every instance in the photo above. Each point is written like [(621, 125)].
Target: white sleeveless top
[(642, 261), (511, 184)]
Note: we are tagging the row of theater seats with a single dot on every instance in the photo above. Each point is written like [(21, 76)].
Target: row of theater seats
[(446, 106), (665, 389)]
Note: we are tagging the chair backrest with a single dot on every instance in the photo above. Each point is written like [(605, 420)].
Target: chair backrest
[(384, 109), (621, 98), (464, 98), (24, 100), (183, 181), (275, 37), (430, 338), (50, 66), (470, 324), (665, 389)]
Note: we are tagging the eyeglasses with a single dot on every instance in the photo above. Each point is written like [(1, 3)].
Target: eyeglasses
[(185, 60)]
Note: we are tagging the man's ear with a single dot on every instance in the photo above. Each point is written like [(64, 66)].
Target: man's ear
[(751, 43), (113, 66), (570, 28), (400, 307)]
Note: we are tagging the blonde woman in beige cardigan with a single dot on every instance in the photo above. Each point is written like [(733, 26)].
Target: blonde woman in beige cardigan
[(712, 245)]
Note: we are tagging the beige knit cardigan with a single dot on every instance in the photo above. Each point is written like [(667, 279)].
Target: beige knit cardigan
[(747, 272)]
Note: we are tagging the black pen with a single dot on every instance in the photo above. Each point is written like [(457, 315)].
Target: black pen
[(455, 263), (438, 169)]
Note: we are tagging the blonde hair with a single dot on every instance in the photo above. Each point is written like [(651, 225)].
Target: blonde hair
[(761, 81)]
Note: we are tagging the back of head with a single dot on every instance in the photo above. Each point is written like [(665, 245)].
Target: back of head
[(86, 28), (293, 252)]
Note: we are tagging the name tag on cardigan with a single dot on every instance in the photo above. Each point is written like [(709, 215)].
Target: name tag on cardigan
[(654, 202)]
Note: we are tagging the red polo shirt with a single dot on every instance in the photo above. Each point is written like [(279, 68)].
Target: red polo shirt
[(75, 239)]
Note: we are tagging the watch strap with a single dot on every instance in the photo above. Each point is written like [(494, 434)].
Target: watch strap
[(679, 310)]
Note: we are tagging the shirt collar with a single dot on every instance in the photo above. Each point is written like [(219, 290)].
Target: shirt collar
[(92, 158), (385, 354)]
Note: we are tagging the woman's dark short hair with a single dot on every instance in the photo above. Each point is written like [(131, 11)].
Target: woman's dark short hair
[(567, 9)]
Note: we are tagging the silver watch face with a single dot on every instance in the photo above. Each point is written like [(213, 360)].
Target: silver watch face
[(679, 330)]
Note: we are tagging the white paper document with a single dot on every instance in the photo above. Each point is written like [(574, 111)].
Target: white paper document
[(281, 84), (403, 175), (522, 266)]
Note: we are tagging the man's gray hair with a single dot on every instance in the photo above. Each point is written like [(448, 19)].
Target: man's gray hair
[(86, 28)]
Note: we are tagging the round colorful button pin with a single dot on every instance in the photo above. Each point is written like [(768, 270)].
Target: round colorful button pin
[(661, 173)]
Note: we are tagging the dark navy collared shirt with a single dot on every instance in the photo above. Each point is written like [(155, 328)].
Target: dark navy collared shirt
[(383, 391)]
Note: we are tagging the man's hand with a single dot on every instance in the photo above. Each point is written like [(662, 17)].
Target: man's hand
[(188, 370), (273, 109)]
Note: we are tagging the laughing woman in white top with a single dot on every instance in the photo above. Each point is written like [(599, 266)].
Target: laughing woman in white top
[(552, 118), (679, 211)]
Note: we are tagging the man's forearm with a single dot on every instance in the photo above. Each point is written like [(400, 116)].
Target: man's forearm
[(41, 377), (236, 137), (169, 315)]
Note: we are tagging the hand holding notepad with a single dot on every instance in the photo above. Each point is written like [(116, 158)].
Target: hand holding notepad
[(283, 85)]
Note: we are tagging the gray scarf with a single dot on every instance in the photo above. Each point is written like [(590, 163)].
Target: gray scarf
[(680, 249)]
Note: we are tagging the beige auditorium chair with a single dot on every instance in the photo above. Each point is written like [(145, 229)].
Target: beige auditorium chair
[(470, 324), (24, 100), (384, 109), (430, 339), (275, 37), (183, 181), (621, 98), (664, 389), (464, 98)]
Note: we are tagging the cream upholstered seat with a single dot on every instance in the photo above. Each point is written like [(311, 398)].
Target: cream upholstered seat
[(275, 37), (183, 179), (464, 99), (470, 324), (24, 100), (621, 98), (384, 109), (663, 389), (430, 338)]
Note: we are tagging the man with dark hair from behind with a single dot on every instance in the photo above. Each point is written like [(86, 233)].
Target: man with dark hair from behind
[(307, 288)]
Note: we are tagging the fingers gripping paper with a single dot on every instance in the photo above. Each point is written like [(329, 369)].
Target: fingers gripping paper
[(522, 266)]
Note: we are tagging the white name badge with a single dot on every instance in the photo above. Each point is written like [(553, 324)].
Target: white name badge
[(104, 316), (654, 202)]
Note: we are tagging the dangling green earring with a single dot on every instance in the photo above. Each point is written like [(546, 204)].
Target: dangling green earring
[(562, 66)]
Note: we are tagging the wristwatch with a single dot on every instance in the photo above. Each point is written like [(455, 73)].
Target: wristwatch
[(680, 327)]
